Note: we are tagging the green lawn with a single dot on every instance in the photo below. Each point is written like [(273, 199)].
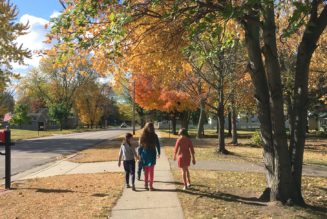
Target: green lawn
[(212, 133), (19, 134)]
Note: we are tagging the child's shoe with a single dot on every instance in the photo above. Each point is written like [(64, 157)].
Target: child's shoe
[(128, 186), (138, 177), (133, 187), (146, 187), (151, 189), (188, 185), (185, 187)]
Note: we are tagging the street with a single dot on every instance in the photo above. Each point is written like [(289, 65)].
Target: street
[(34, 152)]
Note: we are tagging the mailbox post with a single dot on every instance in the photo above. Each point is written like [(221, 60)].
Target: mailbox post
[(8, 158), (7, 142)]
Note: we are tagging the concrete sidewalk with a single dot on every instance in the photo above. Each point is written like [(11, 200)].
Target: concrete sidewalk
[(161, 203), (223, 165), (143, 204)]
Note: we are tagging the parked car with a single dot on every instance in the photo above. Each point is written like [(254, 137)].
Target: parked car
[(123, 125)]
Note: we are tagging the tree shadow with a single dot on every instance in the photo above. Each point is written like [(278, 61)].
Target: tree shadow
[(225, 197), (179, 183), (100, 195), (54, 190), (320, 211), (44, 190), (216, 195)]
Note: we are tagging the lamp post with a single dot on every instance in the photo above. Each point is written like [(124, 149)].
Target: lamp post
[(133, 120)]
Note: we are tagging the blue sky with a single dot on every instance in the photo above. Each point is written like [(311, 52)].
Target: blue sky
[(37, 13), (38, 8)]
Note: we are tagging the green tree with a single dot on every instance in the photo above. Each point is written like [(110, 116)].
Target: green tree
[(10, 51), (20, 115), (59, 112)]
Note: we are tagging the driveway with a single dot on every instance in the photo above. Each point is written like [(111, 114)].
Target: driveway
[(35, 152)]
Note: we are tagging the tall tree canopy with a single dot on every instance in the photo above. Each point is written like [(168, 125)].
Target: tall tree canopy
[(10, 51), (107, 28)]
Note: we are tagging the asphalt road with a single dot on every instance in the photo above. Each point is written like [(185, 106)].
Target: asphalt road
[(34, 152)]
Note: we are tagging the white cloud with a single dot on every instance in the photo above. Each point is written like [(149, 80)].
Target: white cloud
[(33, 40), (55, 14)]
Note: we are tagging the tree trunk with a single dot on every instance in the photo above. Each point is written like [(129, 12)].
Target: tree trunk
[(290, 113), (173, 120), (184, 117), (229, 123), (221, 119), (261, 94), (282, 183), (234, 127), (200, 130), (312, 33)]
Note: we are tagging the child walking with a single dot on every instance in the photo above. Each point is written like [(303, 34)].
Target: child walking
[(150, 146), (127, 153), (185, 151)]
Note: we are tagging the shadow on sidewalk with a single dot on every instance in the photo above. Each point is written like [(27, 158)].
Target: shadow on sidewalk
[(178, 183), (216, 195)]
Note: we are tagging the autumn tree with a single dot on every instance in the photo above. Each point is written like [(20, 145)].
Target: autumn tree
[(258, 22), (89, 102), (58, 80), (27, 91), (10, 51)]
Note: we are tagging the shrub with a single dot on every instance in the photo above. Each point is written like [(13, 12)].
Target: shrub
[(256, 139)]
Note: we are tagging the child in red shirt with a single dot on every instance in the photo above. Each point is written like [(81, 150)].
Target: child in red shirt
[(185, 151)]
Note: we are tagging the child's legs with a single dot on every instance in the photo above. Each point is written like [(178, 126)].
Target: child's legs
[(188, 175), (184, 169), (126, 168), (151, 175), (146, 174), (132, 170), (139, 168)]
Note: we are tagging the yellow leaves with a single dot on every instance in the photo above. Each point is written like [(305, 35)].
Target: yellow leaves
[(84, 73), (111, 16)]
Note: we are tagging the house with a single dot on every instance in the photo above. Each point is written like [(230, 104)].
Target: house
[(39, 121), (318, 121)]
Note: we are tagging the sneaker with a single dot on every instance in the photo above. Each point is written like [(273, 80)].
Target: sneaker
[(188, 185), (133, 187), (138, 178), (128, 186), (151, 189), (185, 187), (146, 187)]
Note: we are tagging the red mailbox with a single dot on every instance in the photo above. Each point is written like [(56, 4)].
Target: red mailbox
[(2, 136)]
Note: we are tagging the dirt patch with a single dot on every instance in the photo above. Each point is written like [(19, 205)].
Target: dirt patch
[(67, 196), (217, 194)]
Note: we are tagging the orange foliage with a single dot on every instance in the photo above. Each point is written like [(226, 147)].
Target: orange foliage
[(151, 94)]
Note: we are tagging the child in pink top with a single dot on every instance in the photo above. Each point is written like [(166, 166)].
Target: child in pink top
[(185, 151)]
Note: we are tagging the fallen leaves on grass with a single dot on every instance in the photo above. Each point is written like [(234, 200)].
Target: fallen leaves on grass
[(206, 149), (67, 196), (216, 194), (108, 151), (100, 153)]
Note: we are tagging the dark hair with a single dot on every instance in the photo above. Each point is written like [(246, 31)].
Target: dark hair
[(127, 137), (148, 138), (183, 131)]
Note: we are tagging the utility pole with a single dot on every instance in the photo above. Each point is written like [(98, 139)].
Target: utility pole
[(133, 122)]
